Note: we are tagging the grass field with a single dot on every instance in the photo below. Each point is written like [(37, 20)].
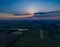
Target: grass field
[(32, 39)]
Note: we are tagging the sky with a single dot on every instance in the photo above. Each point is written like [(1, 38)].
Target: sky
[(10, 7), (26, 6)]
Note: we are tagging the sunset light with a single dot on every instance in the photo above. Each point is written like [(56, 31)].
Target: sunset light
[(32, 11), (29, 23)]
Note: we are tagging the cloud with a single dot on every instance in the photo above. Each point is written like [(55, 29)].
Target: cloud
[(47, 18), (11, 16), (27, 17)]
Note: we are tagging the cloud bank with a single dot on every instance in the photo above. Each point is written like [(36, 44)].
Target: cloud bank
[(27, 17), (11, 16)]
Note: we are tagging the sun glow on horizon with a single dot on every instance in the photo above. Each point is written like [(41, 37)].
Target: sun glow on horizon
[(11, 16), (32, 11)]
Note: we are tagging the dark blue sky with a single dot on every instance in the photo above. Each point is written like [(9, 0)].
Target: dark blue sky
[(23, 6)]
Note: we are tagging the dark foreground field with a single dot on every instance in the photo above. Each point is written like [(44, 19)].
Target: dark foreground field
[(31, 37)]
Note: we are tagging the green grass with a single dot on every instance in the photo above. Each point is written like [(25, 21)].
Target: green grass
[(34, 43), (32, 39)]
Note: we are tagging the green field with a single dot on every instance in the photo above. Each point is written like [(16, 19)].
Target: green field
[(32, 39)]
